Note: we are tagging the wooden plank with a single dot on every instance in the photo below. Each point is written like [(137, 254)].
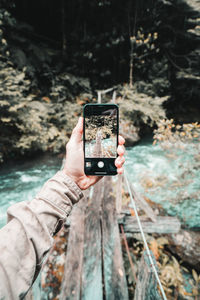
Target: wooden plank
[(146, 287), (142, 203), (119, 194), (92, 259), (115, 285), (163, 224), (71, 284)]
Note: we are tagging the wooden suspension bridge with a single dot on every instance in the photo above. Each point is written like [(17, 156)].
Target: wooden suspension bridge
[(94, 268), (94, 265)]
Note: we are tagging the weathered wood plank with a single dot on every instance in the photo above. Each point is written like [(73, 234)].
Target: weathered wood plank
[(92, 259), (163, 224), (146, 287), (142, 203), (114, 275), (71, 284), (119, 194)]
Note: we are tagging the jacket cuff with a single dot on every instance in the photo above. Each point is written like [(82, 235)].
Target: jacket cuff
[(61, 191)]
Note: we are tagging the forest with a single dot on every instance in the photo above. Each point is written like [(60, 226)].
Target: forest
[(55, 57)]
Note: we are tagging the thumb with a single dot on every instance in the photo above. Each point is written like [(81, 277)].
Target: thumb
[(78, 131)]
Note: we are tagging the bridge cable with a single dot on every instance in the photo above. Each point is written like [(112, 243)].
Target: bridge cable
[(143, 237)]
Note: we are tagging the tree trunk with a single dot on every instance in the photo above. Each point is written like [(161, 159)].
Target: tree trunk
[(64, 36)]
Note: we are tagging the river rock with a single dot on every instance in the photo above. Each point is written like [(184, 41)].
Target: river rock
[(186, 245)]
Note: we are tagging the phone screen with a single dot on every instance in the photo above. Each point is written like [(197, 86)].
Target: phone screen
[(100, 138)]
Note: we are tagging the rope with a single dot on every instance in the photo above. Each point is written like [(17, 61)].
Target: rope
[(143, 237)]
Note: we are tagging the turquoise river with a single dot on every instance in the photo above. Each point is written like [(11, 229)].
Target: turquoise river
[(171, 179)]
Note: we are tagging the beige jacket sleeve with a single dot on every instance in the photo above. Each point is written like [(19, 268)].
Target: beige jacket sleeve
[(28, 235)]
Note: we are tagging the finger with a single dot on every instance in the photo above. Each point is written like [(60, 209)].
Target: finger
[(119, 161), (78, 130), (120, 150), (121, 140), (79, 126), (120, 170)]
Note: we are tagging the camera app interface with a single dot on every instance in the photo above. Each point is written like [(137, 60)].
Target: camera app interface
[(101, 133)]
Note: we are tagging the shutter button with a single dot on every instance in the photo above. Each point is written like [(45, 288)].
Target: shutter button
[(100, 164)]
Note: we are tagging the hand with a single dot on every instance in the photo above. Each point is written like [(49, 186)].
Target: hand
[(74, 163)]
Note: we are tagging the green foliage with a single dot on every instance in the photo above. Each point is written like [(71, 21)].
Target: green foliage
[(29, 123), (140, 108), (143, 47), (108, 125), (172, 136)]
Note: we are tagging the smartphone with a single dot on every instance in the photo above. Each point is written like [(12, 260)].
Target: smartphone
[(100, 138)]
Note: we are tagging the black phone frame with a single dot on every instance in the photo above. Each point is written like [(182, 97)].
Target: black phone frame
[(109, 168)]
